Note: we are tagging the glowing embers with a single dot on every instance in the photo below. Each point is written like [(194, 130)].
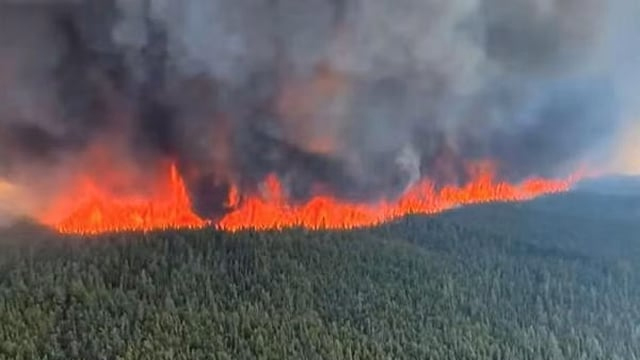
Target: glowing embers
[(272, 211), (90, 209)]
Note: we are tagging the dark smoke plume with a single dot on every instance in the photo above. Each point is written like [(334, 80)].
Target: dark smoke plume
[(363, 97)]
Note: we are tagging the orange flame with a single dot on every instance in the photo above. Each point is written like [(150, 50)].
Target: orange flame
[(170, 206), (324, 212), (100, 211)]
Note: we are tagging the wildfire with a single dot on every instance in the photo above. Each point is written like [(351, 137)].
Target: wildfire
[(323, 212), (170, 207), (92, 210)]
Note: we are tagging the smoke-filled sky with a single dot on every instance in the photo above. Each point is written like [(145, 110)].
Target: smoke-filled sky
[(361, 96)]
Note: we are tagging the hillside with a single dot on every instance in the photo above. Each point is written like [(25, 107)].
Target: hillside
[(556, 278)]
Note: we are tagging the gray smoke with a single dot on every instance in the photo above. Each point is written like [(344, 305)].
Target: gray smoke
[(364, 97)]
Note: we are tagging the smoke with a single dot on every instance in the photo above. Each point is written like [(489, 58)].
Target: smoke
[(363, 97), (626, 57)]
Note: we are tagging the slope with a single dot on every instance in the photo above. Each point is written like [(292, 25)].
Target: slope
[(502, 281)]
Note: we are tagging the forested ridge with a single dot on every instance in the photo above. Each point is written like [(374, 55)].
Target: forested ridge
[(552, 279)]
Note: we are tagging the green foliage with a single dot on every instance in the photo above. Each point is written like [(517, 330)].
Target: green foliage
[(466, 285)]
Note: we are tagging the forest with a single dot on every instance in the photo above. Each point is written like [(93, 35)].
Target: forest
[(556, 278)]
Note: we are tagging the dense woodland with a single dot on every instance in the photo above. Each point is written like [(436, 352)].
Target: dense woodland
[(553, 279)]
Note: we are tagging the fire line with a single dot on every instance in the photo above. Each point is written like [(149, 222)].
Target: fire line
[(171, 208)]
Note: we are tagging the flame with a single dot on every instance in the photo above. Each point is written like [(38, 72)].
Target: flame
[(325, 212), (92, 210)]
